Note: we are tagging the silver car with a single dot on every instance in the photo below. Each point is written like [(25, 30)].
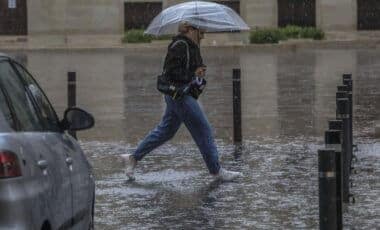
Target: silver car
[(46, 181)]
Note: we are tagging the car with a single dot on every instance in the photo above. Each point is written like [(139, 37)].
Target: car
[(46, 181)]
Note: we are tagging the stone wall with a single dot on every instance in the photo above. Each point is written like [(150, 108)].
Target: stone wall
[(107, 16), (259, 13), (336, 14), (56, 17), (330, 14), (167, 3)]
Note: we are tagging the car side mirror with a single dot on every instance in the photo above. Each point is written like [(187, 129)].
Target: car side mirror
[(75, 119)]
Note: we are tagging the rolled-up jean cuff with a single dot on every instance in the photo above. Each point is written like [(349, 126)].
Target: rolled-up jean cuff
[(214, 169), (137, 157)]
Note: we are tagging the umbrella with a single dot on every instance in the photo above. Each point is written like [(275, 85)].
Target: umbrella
[(208, 16)]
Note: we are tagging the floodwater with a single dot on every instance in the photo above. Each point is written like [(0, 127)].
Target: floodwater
[(288, 96)]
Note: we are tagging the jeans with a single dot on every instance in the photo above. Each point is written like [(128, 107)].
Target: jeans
[(188, 111)]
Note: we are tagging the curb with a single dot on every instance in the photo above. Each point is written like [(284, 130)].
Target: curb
[(377, 130)]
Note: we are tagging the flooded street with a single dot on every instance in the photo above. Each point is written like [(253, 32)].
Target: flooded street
[(288, 96)]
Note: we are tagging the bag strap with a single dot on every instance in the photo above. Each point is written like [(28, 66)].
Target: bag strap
[(187, 50)]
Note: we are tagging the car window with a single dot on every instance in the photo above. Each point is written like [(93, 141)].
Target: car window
[(48, 115), (19, 98), (7, 124)]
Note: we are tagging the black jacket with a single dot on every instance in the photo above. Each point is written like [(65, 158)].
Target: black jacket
[(176, 61)]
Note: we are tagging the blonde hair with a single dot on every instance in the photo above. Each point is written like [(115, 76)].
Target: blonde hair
[(183, 27)]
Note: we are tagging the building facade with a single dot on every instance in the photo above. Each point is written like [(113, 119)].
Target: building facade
[(346, 15), (54, 17), (61, 17), (324, 14)]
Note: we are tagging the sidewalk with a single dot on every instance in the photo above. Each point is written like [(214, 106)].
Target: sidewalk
[(353, 35), (60, 42), (333, 39)]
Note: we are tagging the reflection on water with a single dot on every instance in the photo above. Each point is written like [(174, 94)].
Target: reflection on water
[(296, 92), (284, 93), (287, 99)]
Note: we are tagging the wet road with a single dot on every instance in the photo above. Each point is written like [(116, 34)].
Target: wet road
[(287, 99)]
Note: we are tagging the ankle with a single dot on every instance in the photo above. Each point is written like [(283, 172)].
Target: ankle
[(132, 159), (216, 173)]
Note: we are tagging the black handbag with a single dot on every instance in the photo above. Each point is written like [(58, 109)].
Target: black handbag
[(163, 84)]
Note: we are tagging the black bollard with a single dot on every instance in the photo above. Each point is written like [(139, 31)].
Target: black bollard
[(336, 124), (341, 94), (71, 94), (348, 89), (342, 113), (347, 76), (327, 189), (333, 140), (348, 84), (237, 106), (343, 88)]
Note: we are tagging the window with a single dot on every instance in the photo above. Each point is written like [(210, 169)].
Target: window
[(368, 14), (296, 12), (138, 15), (13, 16), (6, 119), (19, 98), (48, 115), (233, 4)]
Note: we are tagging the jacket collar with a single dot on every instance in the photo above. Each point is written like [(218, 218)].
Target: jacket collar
[(183, 37)]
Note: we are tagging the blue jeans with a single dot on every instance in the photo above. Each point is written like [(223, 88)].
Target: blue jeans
[(188, 111)]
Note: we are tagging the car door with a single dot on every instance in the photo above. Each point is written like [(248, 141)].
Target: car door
[(15, 143), (83, 184), (70, 152), (47, 142)]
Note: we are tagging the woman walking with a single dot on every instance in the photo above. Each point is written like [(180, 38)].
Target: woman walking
[(183, 82)]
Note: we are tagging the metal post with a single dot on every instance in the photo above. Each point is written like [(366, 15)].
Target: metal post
[(333, 140), (71, 94), (349, 85), (327, 189), (342, 113), (347, 76), (341, 94), (348, 89), (343, 88), (237, 106), (336, 124)]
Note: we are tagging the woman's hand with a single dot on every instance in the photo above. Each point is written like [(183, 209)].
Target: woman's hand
[(200, 71)]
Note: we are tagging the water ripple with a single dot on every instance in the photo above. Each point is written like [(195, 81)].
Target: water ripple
[(279, 190)]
